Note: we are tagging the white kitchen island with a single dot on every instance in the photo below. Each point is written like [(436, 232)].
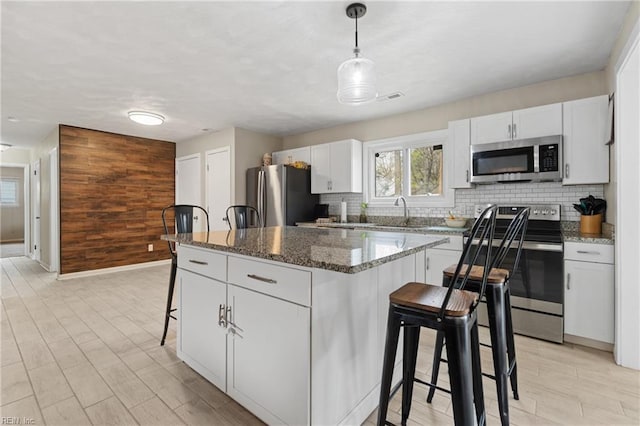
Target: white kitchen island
[(290, 322)]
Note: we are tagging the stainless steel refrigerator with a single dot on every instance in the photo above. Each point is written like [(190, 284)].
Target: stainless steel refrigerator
[(281, 194)]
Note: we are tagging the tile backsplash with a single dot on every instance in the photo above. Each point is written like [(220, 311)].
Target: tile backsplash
[(512, 193)]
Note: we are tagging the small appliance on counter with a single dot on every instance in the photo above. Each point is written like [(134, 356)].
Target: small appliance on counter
[(321, 211)]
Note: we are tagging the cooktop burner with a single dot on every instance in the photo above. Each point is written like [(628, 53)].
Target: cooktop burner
[(543, 226)]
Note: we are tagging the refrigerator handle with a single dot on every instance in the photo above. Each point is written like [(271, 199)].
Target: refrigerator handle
[(261, 197)]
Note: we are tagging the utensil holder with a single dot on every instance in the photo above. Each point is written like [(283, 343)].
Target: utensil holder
[(591, 224)]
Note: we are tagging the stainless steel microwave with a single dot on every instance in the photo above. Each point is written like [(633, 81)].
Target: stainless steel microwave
[(535, 159)]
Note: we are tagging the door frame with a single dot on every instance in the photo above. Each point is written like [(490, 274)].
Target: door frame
[(232, 193), (36, 191), (54, 213), (26, 195), (626, 325)]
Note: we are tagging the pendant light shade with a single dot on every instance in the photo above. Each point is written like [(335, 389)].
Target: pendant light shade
[(357, 81), (356, 76)]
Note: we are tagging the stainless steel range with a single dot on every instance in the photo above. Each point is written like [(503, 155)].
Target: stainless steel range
[(537, 286)]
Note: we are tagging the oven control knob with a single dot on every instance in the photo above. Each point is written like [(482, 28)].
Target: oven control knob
[(553, 212), (545, 212), (536, 212)]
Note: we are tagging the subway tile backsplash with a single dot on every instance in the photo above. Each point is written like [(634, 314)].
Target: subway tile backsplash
[(513, 193)]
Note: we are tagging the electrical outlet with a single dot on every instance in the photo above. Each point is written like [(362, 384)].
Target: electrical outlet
[(149, 247)]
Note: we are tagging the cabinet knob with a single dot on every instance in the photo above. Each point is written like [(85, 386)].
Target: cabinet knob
[(515, 132), (566, 170), (467, 176), (509, 130), (427, 263)]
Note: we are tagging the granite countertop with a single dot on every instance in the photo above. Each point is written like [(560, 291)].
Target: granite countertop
[(341, 250), (571, 233)]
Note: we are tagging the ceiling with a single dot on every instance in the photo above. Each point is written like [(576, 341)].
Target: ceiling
[(271, 66)]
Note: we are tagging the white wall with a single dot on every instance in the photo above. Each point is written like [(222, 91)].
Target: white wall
[(250, 146), (202, 144), (247, 148), (436, 118)]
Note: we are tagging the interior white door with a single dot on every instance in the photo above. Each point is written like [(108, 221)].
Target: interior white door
[(188, 186), (35, 194), (218, 186)]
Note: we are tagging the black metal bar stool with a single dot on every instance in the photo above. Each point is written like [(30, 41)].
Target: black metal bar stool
[(183, 220), (451, 311), (497, 296), (243, 217)]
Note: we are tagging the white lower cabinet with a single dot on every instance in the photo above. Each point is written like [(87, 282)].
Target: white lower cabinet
[(589, 291), (268, 363), (438, 259), (200, 336)]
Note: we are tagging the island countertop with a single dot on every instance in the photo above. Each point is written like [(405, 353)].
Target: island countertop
[(341, 250)]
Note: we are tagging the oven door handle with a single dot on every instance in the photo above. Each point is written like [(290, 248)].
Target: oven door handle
[(528, 245)]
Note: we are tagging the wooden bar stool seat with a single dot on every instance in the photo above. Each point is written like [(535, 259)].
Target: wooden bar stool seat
[(429, 298), (496, 275)]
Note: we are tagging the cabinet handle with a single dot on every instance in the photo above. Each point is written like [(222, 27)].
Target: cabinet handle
[(263, 279), (509, 130), (588, 252), (566, 170), (467, 176), (427, 263), (568, 281), (515, 133), (221, 316), (198, 262)]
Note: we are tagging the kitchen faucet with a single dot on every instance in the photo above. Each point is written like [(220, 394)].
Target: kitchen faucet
[(404, 202)]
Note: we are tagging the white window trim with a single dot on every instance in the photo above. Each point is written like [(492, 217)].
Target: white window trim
[(437, 137)]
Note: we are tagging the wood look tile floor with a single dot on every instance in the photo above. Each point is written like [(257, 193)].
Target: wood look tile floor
[(86, 351)]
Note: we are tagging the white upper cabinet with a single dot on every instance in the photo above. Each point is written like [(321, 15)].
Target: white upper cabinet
[(586, 155), (459, 137), (292, 155), (336, 167), (545, 120)]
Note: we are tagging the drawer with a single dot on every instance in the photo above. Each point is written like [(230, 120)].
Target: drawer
[(585, 252), (280, 281), (455, 242), (202, 261)]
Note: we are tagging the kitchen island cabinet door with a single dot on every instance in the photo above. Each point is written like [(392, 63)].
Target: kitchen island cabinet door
[(202, 343), (437, 261), (269, 353)]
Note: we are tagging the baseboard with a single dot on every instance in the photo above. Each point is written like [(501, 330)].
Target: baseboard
[(583, 341), (102, 271)]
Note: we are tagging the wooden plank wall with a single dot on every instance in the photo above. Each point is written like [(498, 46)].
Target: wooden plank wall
[(112, 191)]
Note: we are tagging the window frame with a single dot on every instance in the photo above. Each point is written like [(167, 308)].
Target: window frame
[(406, 142), (16, 201)]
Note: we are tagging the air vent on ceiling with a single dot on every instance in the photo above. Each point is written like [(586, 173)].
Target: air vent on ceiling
[(389, 97)]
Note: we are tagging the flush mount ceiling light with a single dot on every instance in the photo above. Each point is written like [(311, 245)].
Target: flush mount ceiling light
[(356, 76), (146, 118)]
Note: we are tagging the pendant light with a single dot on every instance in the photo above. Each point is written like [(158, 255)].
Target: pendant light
[(356, 76)]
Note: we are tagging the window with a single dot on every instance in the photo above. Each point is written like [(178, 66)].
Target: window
[(9, 192), (413, 166)]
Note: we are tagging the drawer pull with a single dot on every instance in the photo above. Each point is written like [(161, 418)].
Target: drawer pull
[(263, 279), (588, 252), (198, 262)]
